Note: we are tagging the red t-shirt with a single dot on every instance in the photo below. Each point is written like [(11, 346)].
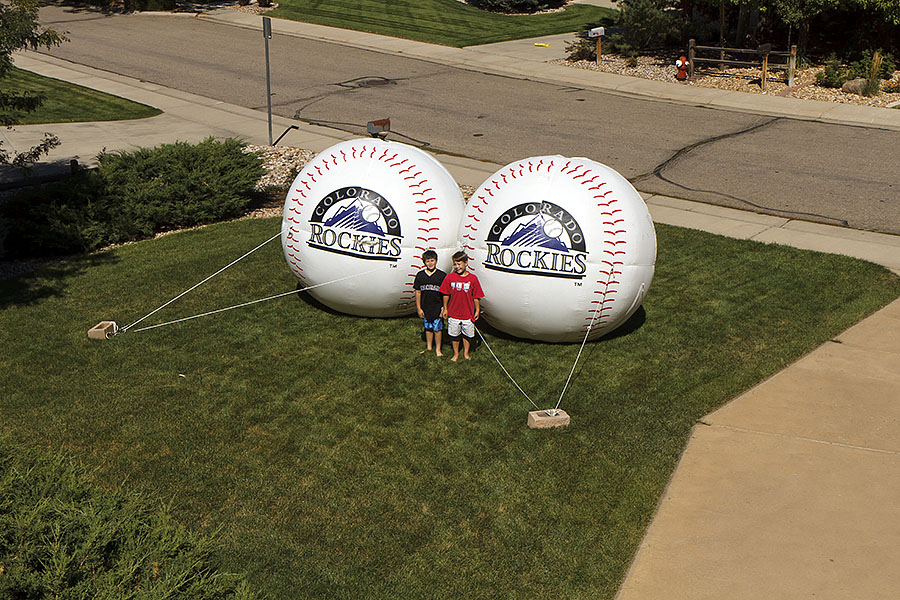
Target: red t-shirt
[(462, 292)]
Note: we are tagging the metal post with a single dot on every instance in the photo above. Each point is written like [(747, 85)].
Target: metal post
[(267, 34)]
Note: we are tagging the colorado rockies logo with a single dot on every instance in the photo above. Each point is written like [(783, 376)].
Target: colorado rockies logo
[(356, 222), (537, 238)]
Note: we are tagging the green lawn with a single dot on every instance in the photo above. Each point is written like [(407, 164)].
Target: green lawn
[(447, 22), (70, 103), (340, 463)]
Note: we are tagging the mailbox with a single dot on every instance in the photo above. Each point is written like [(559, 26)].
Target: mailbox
[(596, 32)]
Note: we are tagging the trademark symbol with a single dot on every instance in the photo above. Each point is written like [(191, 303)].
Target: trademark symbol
[(577, 283), (393, 266)]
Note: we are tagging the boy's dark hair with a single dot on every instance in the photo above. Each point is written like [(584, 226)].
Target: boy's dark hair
[(460, 256), (429, 254)]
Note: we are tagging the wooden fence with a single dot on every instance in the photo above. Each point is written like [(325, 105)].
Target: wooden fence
[(762, 53)]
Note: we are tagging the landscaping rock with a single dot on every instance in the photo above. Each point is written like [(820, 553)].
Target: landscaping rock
[(854, 86)]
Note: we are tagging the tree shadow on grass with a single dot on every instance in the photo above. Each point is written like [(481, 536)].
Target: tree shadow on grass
[(42, 279)]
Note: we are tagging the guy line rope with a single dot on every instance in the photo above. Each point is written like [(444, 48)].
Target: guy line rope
[(212, 312)]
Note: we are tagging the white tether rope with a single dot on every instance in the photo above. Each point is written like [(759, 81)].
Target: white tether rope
[(126, 328), (486, 345), (212, 312), (612, 270)]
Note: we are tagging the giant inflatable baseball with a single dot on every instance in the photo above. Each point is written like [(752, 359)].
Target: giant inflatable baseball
[(357, 219), (559, 244)]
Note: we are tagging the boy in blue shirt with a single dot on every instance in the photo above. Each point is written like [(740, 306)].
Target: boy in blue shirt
[(429, 301)]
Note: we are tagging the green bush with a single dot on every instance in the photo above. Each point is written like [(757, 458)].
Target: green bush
[(581, 49), (131, 196), (834, 74), (837, 72), (181, 185), (62, 218), (62, 537), (130, 5), (516, 6), (150, 4), (863, 66), (645, 24)]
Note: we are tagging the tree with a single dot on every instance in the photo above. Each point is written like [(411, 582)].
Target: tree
[(800, 14), (19, 29)]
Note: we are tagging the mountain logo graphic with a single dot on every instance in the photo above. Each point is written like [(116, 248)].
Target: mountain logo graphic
[(358, 216), (537, 238), (357, 222)]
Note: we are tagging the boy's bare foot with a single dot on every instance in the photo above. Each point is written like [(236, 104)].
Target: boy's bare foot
[(424, 351), (467, 357), (455, 358), (439, 353)]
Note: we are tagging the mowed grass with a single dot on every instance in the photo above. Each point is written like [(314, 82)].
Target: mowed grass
[(338, 462), (446, 22), (70, 103)]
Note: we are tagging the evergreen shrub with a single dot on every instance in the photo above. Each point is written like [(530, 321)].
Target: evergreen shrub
[(63, 537), (141, 5), (516, 6), (645, 24), (834, 74), (132, 196), (181, 185)]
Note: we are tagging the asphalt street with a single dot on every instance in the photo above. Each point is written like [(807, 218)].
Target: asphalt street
[(828, 173)]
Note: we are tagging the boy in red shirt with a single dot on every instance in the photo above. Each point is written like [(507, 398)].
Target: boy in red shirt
[(461, 291)]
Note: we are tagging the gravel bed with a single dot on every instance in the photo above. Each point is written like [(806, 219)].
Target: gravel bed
[(254, 8), (282, 163), (735, 79)]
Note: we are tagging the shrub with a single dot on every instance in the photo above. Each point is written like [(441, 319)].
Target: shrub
[(645, 24), (150, 4), (181, 185), (60, 218), (62, 537), (834, 74), (581, 49), (130, 196), (872, 86), (130, 5), (863, 66), (516, 6)]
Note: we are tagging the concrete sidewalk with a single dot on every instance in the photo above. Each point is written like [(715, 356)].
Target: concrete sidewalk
[(788, 491)]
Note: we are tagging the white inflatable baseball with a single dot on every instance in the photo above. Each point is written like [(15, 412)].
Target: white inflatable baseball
[(357, 219), (559, 244)]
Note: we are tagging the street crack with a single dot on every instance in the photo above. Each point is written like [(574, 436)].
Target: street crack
[(657, 172)]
